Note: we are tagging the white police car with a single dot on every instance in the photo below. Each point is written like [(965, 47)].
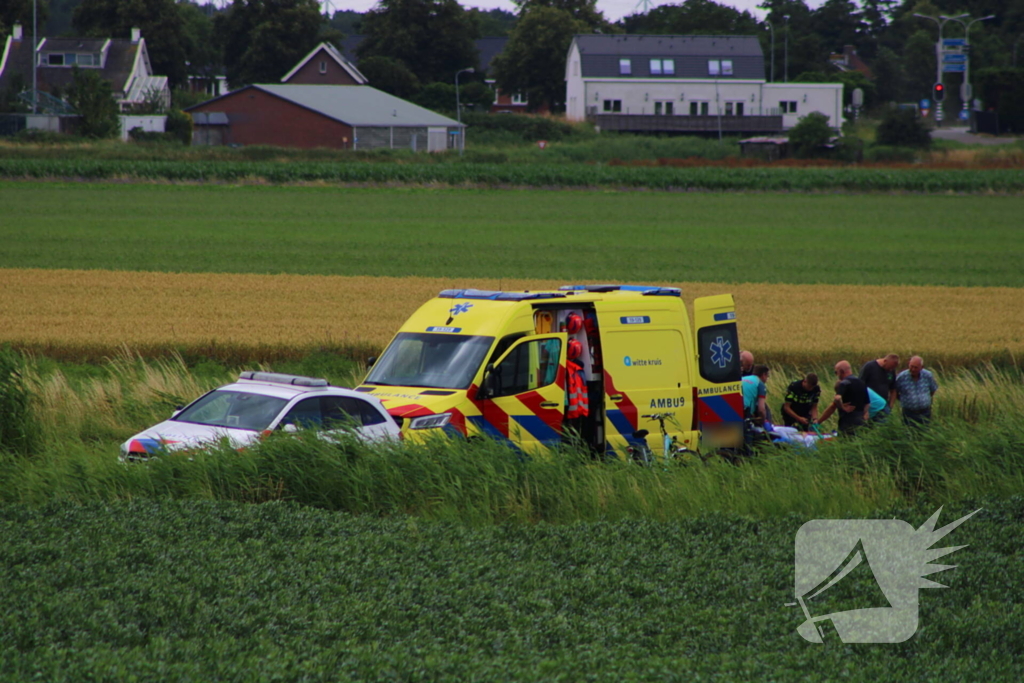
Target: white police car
[(257, 404)]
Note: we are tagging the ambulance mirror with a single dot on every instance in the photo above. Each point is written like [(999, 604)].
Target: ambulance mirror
[(490, 381), (370, 361)]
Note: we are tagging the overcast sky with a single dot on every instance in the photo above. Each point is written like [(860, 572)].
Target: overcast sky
[(613, 9)]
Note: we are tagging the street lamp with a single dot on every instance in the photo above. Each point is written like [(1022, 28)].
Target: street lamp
[(785, 54), (965, 92), (940, 22), (458, 107), (772, 29)]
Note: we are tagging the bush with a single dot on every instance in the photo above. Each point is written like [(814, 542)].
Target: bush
[(17, 429), (906, 155), (525, 128), (93, 99), (903, 127), (808, 135), (179, 126)]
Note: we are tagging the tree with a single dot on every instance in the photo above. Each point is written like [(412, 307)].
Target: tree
[(534, 58), (263, 39), (494, 22), (391, 76), (809, 134), (693, 17), (581, 10), (20, 12), (839, 23), (94, 101), (161, 24), (202, 48), (851, 80), (889, 76), (903, 128), (919, 65), (433, 38)]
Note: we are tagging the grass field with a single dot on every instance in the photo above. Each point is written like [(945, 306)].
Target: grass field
[(216, 591), (577, 235)]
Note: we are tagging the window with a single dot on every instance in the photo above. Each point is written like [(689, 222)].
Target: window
[(787, 107), (728, 108), (739, 109), (613, 105), (70, 58), (668, 67), (655, 67), (519, 98), (234, 409), (439, 361), (713, 67), (719, 353), (698, 108), (657, 108), (86, 60), (323, 67), (529, 366), (727, 67), (55, 60), (625, 67), (666, 108), (670, 108)]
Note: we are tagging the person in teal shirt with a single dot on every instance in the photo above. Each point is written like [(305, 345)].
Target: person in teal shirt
[(876, 409), (754, 393)]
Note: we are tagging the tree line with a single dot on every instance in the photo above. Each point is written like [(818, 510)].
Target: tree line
[(413, 48)]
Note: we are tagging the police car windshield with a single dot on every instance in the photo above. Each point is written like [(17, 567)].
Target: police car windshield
[(439, 361), (233, 409)]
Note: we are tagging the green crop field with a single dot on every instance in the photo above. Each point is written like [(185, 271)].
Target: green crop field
[(575, 235), (217, 591)]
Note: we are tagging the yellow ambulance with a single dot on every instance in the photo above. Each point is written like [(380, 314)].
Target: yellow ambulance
[(607, 365)]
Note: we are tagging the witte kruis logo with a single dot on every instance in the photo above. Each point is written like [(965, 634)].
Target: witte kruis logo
[(859, 578)]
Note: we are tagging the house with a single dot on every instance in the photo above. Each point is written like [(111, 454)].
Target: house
[(339, 116), (123, 63), (324, 65), (849, 60), (686, 84)]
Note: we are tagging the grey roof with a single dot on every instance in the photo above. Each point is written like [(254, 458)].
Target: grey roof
[(116, 69), (356, 105), (600, 54), (490, 47)]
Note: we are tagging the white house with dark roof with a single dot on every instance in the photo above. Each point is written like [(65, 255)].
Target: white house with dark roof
[(123, 63), (699, 84)]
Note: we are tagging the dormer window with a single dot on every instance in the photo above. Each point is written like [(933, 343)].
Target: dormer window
[(714, 67), (55, 60), (70, 59), (663, 67), (727, 67), (625, 67)]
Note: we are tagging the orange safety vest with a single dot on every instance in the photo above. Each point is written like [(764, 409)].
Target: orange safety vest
[(579, 401)]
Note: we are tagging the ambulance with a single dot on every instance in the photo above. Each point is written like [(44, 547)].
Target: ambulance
[(605, 365)]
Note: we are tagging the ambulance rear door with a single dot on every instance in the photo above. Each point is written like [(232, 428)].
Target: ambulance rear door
[(718, 386)]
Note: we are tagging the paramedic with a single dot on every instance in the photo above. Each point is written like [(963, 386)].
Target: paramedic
[(915, 388), (800, 408), (754, 394)]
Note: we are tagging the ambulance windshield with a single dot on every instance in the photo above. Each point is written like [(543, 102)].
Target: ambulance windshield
[(440, 361)]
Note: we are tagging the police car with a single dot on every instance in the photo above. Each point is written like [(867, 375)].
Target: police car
[(256, 405)]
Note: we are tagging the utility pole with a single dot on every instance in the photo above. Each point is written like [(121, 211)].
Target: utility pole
[(35, 58), (785, 57), (458, 108), (965, 89), (772, 29), (940, 22)]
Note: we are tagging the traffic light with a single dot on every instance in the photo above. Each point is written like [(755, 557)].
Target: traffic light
[(939, 92)]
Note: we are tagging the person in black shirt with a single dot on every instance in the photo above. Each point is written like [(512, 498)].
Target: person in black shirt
[(880, 376), (800, 407), (851, 401)]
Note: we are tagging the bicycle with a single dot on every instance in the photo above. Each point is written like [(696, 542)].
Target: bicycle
[(641, 451)]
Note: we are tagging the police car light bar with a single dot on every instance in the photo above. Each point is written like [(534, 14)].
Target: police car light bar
[(279, 378)]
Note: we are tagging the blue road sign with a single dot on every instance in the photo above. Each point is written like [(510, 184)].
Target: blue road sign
[(926, 104), (964, 115), (954, 68), (954, 57), (953, 42)]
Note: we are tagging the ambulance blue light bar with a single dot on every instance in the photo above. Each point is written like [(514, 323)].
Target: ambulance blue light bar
[(646, 290), (497, 296)]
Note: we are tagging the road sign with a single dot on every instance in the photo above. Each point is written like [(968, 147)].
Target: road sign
[(925, 103), (924, 112), (948, 57), (964, 115), (954, 68), (953, 42)]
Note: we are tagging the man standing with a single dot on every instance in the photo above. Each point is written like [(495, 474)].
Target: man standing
[(880, 376), (851, 401), (915, 388), (800, 407), (746, 364)]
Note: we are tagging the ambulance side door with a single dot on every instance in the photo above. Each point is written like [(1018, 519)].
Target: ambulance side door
[(717, 377), (524, 393)]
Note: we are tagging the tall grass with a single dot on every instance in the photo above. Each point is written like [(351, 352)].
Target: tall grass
[(975, 448)]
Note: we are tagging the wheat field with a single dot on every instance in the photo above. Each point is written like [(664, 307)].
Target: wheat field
[(89, 314)]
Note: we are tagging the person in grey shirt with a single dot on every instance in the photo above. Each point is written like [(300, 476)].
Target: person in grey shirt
[(915, 388)]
